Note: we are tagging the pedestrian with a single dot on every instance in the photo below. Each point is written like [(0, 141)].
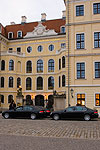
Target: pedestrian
[(12, 105)]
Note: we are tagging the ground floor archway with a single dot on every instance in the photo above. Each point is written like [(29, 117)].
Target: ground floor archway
[(50, 101), (39, 100)]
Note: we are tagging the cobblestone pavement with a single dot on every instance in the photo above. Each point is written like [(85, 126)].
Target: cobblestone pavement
[(50, 128)]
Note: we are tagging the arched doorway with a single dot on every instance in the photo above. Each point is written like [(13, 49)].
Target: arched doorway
[(50, 101), (28, 100), (39, 100)]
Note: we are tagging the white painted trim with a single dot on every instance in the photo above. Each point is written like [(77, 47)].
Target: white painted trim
[(81, 93), (93, 38), (76, 70), (76, 39), (14, 65), (36, 66), (75, 10), (94, 70), (47, 67), (89, 85), (26, 66), (17, 33), (61, 29), (36, 83), (8, 82), (25, 83), (12, 35), (95, 99)]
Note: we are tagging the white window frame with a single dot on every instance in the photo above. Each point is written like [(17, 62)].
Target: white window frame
[(85, 97), (94, 99), (76, 70), (17, 34), (10, 33)]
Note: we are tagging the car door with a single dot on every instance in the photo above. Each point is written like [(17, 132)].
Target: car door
[(79, 112), (18, 112), (68, 113), (27, 110)]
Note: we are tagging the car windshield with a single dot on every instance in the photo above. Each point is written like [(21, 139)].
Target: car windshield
[(19, 108)]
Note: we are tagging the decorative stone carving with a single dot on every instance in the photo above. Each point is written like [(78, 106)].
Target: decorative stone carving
[(40, 30)]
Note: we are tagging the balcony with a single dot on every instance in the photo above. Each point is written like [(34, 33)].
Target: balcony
[(13, 53)]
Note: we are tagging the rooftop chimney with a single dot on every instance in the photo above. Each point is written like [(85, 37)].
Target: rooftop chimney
[(64, 14), (24, 18), (12, 23), (43, 17)]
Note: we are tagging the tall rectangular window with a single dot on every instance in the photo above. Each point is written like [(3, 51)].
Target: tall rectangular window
[(96, 8), (59, 64), (81, 70), (80, 10), (97, 99), (97, 39), (80, 99), (80, 41), (97, 69), (59, 81)]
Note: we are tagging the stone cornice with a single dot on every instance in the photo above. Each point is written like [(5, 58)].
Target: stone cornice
[(2, 38), (37, 38), (82, 23)]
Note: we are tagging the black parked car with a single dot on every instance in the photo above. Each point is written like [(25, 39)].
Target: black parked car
[(24, 112), (75, 112), (46, 110)]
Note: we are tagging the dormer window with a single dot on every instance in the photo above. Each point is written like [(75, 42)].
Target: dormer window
[(19, 34), (10, 35), (63, 29)]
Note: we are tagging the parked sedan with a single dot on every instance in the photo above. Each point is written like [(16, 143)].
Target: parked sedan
[(75, 112), (46, 110), (24, 112)]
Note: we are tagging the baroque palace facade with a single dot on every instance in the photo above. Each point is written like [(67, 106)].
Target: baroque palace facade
[(32, 57), (59, 55)]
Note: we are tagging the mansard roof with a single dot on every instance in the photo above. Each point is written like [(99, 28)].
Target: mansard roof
[(29, 27)]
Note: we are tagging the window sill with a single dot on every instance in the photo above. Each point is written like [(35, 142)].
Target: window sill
[(81, 79), (80, 49)]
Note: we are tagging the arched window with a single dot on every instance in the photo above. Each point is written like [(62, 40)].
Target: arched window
[(3, 65), (63, 62), (39, 83), (59, 81), (51, 65), (40, 48), (2, 82), (40, 66), (18, 82), (10, 98), (18, 66), (63, 80), (51, 83), (2, 98), (59, 64), (29, 67), (63, 29), (11, 65), (19, 34), (10, 82), (28, 83)]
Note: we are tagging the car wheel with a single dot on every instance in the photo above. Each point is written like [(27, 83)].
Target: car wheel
[(87, 117), (33, 116), (6, 115), (56, 117)]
